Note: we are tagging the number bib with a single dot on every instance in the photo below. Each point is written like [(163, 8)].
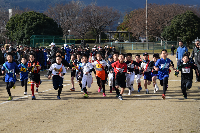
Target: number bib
[(185, 70)]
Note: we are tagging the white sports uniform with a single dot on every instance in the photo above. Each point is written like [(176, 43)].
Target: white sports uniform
[(56, 69), (130, 77), (87, 78)]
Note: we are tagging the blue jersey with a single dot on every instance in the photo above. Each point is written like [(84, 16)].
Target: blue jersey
[(10, 69), (24, 71), (163, 66)]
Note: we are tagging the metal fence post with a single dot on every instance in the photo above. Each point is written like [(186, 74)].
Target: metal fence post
[(132, 46), (153, 47)]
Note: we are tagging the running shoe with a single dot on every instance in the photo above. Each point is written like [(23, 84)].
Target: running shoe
[(25, 93), (10, 98), (104, 94), (99, 90), (58, 97), (72, 89), (129, 93), (33, 98), (157, 88), (120, 97), (81, 90), (14, 87), (163, 96), (154, 90), (85, 95)]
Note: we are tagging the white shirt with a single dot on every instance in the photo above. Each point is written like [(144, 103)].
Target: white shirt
[(143, 65), (56, 69), (97, 65), (86, 67)]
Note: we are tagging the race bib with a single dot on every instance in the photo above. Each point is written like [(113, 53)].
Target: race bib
[(12, 71), (163, 65), (185, 70), (98, 66)]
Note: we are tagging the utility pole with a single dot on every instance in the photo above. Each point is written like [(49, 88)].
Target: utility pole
[(146, 27)]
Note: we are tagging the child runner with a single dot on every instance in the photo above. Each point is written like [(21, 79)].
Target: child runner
[(79, 73), (100, 66), (115, 58), (58, 71), (147, 71), (130, 72), (87, 69), (110, 75), (154, 73), (23, 73), (138, 73), (34, 69), (162, 66), (120, 69), (186, 74), (73, 63), (10, 68)]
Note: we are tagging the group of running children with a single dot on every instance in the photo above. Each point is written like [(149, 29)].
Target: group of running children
[(119, 71)]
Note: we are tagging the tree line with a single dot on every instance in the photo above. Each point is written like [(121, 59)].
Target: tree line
[(83, 19), (160, 18)]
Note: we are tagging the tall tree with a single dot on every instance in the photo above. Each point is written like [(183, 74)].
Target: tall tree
[(159, 16), (101, 17), (22, 27), (186, 26)]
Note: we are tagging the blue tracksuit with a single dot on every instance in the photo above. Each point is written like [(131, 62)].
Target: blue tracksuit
[(10, 73), (24, 71), (163, 66)]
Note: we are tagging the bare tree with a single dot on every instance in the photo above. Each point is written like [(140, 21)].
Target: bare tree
[(101, 17), (159, 16), (66, 15)]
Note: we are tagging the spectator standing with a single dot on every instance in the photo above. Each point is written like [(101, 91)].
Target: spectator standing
[(172, 50), (180, 52)]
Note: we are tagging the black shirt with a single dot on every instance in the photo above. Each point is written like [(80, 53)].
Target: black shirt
[(186, 71)]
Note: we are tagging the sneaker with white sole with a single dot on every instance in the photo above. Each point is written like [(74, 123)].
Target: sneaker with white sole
[(120, 97), (157, 88), (10, 98), (25, 93), (154, 90), (129, 93)]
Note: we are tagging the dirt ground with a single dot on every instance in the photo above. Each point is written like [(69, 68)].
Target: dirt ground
[(136, 113)]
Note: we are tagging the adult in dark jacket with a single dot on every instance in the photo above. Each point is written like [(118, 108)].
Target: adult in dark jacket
[(172, 50), (196, 55), (53, 53)]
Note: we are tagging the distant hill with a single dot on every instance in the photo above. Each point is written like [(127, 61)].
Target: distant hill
[(122, 5)]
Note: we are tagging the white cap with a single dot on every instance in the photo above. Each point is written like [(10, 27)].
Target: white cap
[(65, 45), (52, 44)]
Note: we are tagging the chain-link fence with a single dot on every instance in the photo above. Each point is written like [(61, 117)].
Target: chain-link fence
[(45, 40)]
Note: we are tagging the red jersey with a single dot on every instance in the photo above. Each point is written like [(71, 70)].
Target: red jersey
[(119, 67), (33, 69)]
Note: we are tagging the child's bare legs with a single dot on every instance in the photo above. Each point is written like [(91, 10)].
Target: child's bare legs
[(147, 82), (154, 80), (122, 91)]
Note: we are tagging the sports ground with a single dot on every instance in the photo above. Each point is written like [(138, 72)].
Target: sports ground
[(136, 113)]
